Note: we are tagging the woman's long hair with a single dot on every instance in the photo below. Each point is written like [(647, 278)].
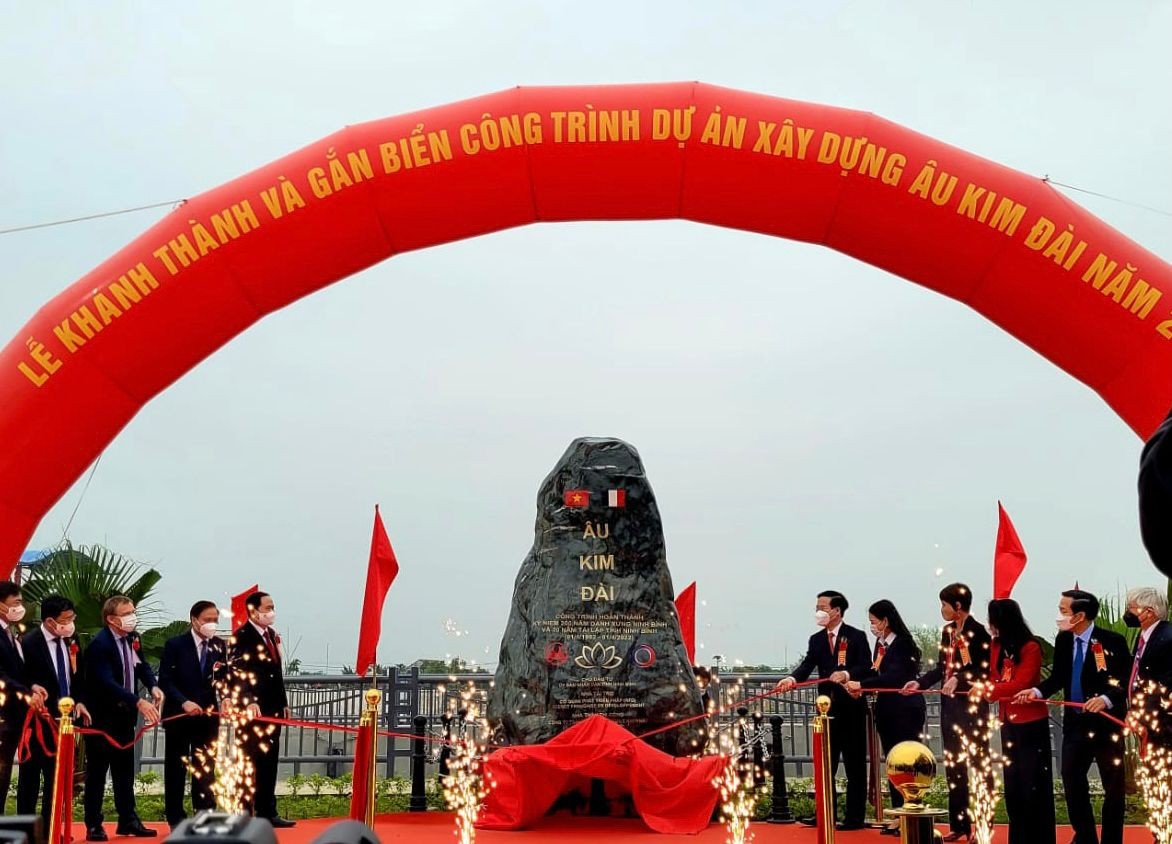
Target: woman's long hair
[(886, 610), (1012, 630)]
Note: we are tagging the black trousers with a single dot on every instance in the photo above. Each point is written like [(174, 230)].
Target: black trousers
[(102, 757), (848, 743), (955, 719), (1029, 782), (38, 768), (189, 740), (263, 748), (10, 730), (1087, 739), (894, 727)]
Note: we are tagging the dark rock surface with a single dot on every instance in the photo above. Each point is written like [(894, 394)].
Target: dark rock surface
[(593, 628)]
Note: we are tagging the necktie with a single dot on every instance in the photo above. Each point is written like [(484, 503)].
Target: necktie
[(830, 641), (62, 672), (203, 656), (271, 643), (1076, 677), (127, 673), (1139, 652)]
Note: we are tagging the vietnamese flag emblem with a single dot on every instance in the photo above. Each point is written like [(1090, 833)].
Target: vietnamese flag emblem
[(576, 497), (616, 498)]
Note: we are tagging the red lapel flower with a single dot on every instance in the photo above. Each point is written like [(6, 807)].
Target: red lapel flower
[(277, 638), (74, 649), (134, 644)]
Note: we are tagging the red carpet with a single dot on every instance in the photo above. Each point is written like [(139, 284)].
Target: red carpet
[(436, 828)]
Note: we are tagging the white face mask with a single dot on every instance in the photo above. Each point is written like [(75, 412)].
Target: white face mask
[(822, 618), (1064, 623), (266, 619), (877, 631), (208, 630), (128, 623), (64, 631), (16, 613)]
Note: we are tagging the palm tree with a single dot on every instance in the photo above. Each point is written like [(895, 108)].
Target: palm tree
[(88, 575)]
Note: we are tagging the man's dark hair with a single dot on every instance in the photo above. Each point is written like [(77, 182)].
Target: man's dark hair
[(8, 589), (1083, 602), (53, 605), (199, 606), (957, 593), (702, 673), (253, 600), (838, 600)]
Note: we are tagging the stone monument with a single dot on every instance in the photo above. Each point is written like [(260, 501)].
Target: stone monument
[(593, 627)]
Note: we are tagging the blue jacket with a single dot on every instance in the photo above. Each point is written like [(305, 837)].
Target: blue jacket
[(106, 696)]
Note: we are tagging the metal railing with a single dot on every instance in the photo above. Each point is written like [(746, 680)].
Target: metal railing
[(337, 700)]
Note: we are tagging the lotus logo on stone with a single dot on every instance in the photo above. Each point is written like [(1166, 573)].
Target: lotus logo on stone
[(598, 656)]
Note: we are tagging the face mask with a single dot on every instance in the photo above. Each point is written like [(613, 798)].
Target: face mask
[(266, 619), (947, 613), (208, 630), (128, 623), (876, 631), (1063, 622), (16, 613), (64, 631), (1131, 619), (822, 618)]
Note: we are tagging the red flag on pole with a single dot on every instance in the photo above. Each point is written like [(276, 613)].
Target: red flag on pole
[(239, 608), (686, 610), (380, 574), (1009, 559)]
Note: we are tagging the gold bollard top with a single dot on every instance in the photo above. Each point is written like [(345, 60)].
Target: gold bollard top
[(823, 704), (911, 767), (372, 696), (66, 706)]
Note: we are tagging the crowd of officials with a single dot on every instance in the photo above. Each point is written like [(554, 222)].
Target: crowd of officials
[(1093, 669), (113, 685), (1102, 681)]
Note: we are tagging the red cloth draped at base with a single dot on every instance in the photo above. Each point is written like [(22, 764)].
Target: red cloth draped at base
[(671, 795)]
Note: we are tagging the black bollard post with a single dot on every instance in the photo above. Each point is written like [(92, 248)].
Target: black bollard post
[(446, 750), (781, 812), (758, 750), (418, 802)]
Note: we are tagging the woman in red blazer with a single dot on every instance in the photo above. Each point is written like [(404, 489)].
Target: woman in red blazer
[(1016, 665)]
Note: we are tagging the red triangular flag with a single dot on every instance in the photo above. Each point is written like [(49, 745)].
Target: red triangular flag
[(380, 574), (239, 608), (686, 610), (1009, 559)]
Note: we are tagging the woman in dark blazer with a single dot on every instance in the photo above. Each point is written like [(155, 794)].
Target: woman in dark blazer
[(895, 661)]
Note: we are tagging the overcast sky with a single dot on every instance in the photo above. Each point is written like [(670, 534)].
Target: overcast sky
[(806, 421)]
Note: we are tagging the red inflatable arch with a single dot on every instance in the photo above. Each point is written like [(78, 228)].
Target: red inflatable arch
[(1060, 280)]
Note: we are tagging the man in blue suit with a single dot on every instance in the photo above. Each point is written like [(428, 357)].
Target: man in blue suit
[(192, 663), (113, 668), (51, 659)]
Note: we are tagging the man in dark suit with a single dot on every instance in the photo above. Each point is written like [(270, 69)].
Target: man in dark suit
[(19, 693), (1150, 673), (259, 685), (837, 652), (962, 661), (51, 657), (187, 677), (1090, 667), (112, 668)]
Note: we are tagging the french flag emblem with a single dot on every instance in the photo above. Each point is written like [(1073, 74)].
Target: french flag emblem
[(616, 498)]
